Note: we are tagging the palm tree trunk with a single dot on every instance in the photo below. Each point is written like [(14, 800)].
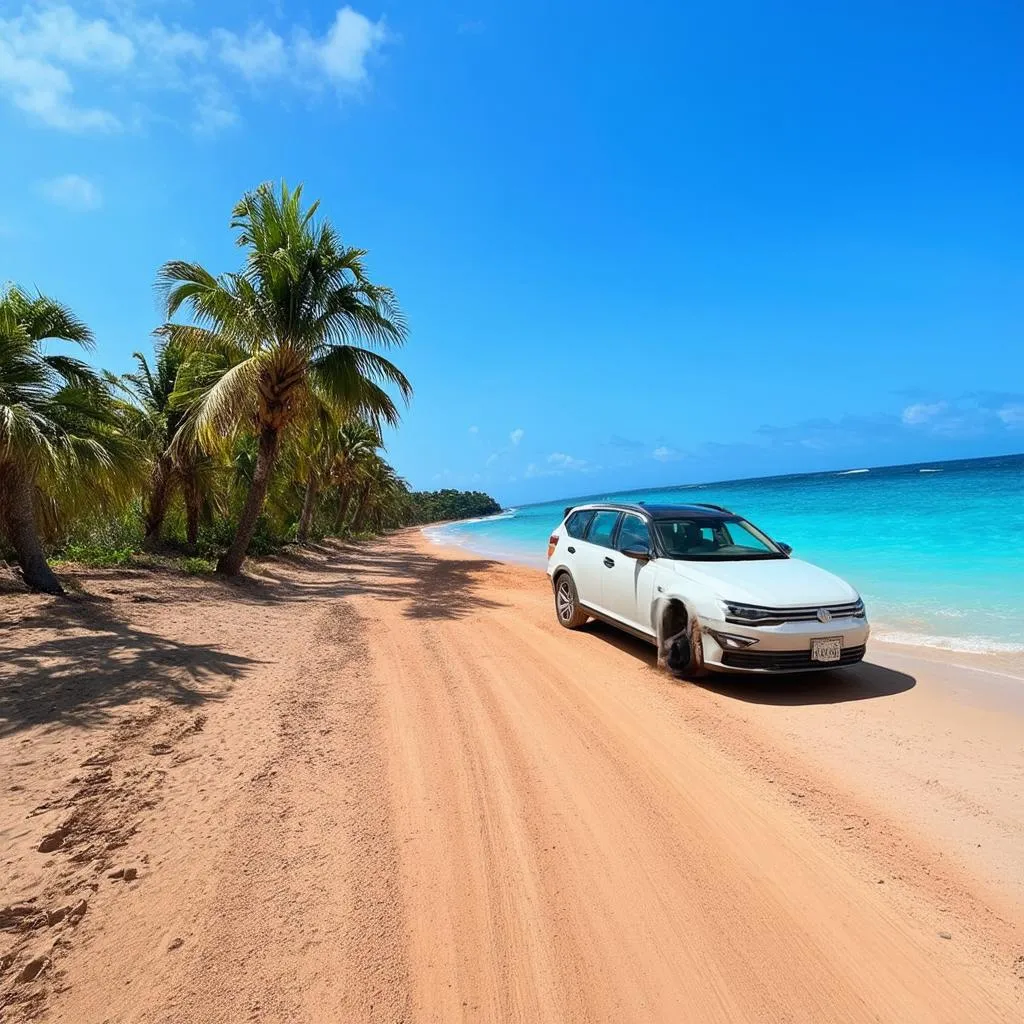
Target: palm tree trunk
[(156, 503), (308, 508), (190, 493), (344, 500), (357, 519), (230, 563), (19, 522)]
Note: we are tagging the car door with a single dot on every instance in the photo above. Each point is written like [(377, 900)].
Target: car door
[(592, 554), (627, 587), (570, 546)]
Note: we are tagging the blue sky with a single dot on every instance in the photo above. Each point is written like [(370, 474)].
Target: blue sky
[(637, 245)]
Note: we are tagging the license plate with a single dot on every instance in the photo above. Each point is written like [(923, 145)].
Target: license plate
[(827, 649)]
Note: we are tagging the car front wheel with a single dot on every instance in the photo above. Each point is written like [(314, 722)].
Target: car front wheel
[(686, 657), (567, 603)]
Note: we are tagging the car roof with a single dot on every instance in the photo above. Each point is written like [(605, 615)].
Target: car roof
[(695, 510)]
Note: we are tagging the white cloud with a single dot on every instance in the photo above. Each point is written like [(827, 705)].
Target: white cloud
[(561, 461), (341, 54), (260, 54), (517, 435), (59, 34), (37, 48), (557, 464), (492, 458), (49, 52), (73, 192), (663, 453), (965, 416), (169, 45), (922, 412), (214, 112), (474, 430), (45, 91)]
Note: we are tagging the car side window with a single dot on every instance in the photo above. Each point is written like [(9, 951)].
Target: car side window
[(633, 534), (602, 527), (576, 525)]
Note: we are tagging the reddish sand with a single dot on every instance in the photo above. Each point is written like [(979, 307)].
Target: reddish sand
[(381, 784)]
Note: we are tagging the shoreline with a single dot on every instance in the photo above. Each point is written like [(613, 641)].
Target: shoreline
[(1005, 657)]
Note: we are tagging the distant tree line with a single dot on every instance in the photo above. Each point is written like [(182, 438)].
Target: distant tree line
[(434, 506)]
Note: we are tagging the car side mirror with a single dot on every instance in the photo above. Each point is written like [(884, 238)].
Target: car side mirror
[(787, 549), (641, 552)]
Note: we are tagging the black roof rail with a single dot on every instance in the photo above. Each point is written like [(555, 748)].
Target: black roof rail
[(717, 508)]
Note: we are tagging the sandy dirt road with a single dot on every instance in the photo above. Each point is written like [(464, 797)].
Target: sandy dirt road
[(382, 784)]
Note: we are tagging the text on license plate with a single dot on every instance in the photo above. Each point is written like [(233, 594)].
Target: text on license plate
[(827, 649)]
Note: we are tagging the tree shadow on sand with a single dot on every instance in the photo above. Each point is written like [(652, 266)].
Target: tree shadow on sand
[(431, 588), (98, 662), (865, 681), (94, 661)]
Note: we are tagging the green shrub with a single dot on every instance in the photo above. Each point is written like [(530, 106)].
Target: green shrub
[(97, 555), (102, 540), (198, 566)]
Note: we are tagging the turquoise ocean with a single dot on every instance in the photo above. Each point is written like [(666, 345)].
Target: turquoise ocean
[(936, 549)]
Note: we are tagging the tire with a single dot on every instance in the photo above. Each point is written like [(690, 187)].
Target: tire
[(684, 658), (567, 603), (679, 656)]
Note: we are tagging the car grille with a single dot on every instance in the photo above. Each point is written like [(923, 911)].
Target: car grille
[(777, 616), (788, 661)]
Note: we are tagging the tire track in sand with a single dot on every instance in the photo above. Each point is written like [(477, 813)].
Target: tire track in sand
[(571, 854)]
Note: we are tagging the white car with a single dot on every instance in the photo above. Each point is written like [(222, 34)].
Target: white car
[(707, 587)]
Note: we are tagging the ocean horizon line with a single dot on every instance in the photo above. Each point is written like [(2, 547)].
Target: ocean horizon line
[(945, 463)]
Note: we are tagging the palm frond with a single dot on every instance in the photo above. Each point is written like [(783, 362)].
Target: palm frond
[(348, 377), (43, 318), (227, 400)]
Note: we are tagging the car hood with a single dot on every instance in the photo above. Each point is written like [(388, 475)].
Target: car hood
[(772, 583)]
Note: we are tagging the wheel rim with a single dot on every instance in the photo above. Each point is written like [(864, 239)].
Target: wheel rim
[(565, 601)]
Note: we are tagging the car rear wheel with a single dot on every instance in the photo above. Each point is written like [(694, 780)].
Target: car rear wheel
[(567, 603)]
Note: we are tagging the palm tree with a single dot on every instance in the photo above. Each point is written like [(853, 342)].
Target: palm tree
[(59, 442), (315, 454), (379, 482), (388, 501), (357, 444), (154, 416), (284, 325)]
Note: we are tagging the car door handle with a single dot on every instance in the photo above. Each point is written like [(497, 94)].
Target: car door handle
[(609, 562), (572, 550)]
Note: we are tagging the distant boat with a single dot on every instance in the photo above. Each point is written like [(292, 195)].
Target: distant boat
[(850, 472), (929, 471)]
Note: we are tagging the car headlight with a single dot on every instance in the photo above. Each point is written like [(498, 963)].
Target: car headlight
[(858, 609), (748, 613)]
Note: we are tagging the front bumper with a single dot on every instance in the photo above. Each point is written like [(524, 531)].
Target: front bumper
[(780, 649)]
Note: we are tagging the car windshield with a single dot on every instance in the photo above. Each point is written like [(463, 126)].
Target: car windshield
[(713, 540)]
